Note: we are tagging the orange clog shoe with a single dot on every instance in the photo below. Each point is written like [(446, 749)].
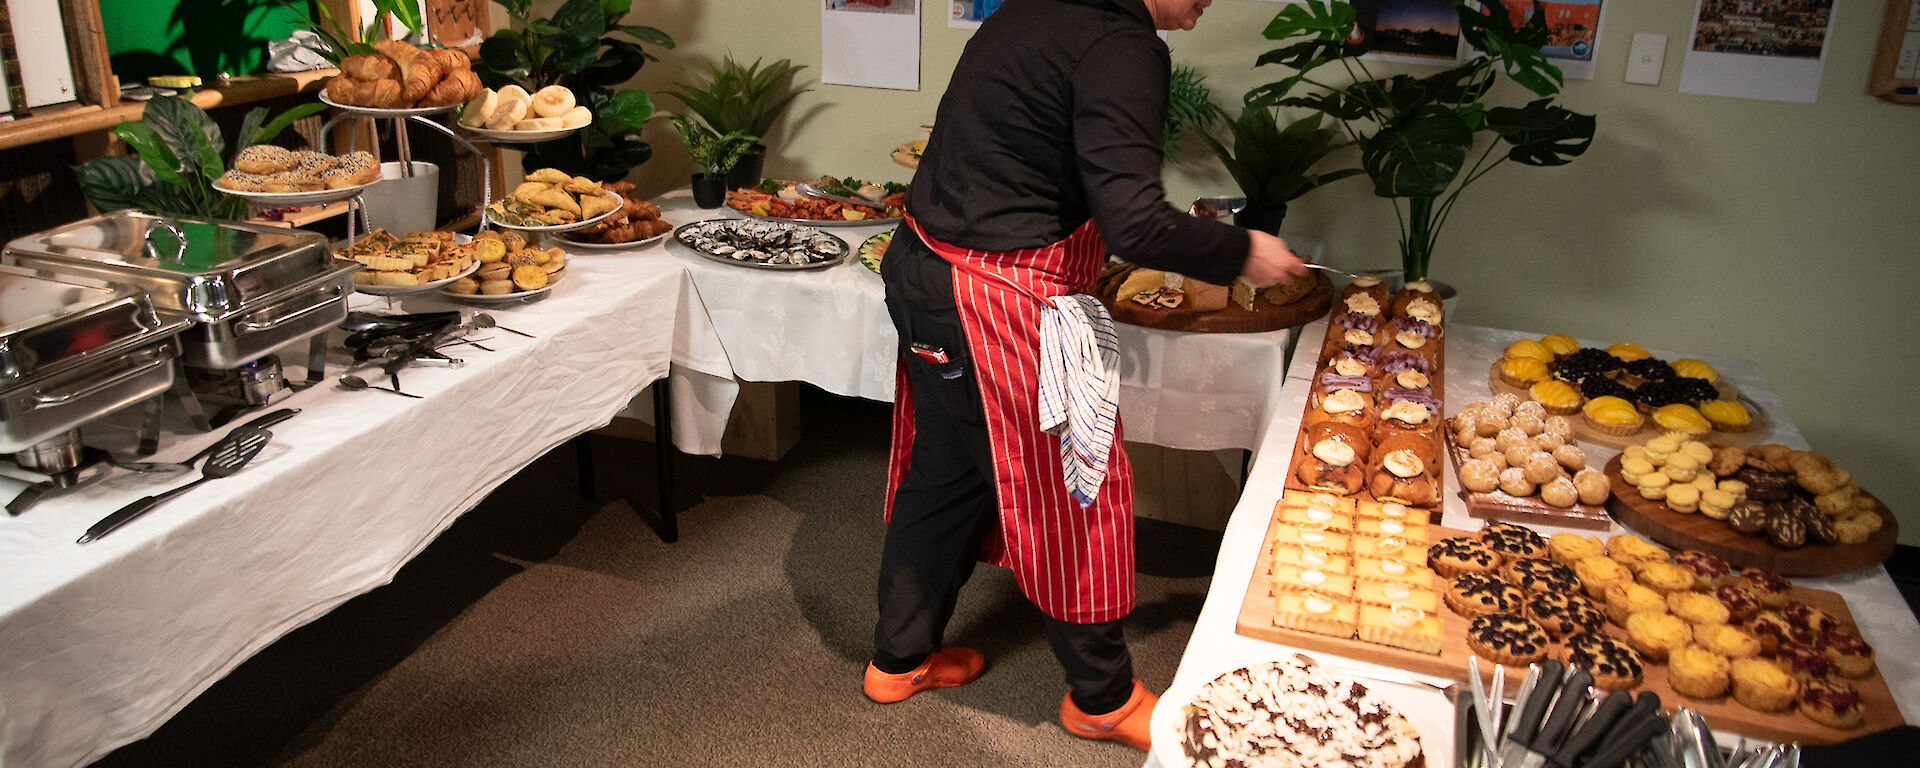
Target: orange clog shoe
[(1127, 725), (944, 668)]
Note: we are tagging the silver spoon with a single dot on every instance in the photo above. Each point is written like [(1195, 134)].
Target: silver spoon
[(812, 191), (484, 320), (356, 383)]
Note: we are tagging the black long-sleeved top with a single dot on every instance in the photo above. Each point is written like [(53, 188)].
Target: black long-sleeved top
[(1054, 116)]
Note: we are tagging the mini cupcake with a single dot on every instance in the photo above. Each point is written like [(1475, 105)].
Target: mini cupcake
[(1626, 599), (1770, 588), (1761, 685), (1698, 673), (1832, 703), (1570, 548), (1665, 578), (1697, 608), (1598, 573), (1727, 640), (1609, 415), (1655, 635), (1709, 572)]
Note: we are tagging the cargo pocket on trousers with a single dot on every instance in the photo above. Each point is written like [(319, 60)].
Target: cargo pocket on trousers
[(940, 367)]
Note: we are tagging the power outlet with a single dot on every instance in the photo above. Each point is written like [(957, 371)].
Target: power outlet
[(1644, 61)]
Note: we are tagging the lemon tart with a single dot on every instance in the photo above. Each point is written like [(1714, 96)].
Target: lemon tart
[(1611, 415)]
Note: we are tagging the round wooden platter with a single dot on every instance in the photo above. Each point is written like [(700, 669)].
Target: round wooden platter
[(1264, 317), (1653, 520), (1762, 426)]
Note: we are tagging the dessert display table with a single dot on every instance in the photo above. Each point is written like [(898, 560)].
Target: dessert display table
[(106, 641), (1882, 615)]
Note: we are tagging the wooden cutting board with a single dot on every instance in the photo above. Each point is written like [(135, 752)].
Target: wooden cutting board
[(1232, 319), (1758, 433), (1653, 520), (1723, 714)]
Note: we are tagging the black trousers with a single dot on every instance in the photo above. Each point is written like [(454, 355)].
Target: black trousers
[(945, 507)]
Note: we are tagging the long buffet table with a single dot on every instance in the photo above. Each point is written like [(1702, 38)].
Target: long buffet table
[(1883, 616)]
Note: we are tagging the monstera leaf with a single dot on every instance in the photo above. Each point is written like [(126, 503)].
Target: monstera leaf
[(1542, 134), (1418, 155)]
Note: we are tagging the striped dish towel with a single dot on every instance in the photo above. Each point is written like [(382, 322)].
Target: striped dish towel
[(1080, 388)]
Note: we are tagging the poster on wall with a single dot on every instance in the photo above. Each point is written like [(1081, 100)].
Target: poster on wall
[(1411, 31), (967, 14), (1758, 49), (870, 43), (1573, 29)]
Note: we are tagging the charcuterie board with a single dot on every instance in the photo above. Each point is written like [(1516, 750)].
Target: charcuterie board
[(1255, 620), (1233, 318), (1653, 520)]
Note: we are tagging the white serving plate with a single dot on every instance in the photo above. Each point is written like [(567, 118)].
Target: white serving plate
[(281, 199), (520, 137), (382, 112), (566, 242), (568, 227), (408, 290)]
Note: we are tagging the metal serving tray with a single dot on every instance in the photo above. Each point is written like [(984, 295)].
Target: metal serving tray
[(203, 268), (71, 352)]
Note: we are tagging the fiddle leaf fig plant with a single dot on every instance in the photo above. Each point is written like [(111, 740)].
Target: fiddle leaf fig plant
[(179, 152), (1416, 134), (585, 47)]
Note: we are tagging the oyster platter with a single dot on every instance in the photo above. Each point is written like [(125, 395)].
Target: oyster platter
[(762, 244)]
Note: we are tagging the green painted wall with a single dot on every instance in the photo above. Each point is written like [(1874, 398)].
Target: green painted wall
[(196, 37), (1775, 232)]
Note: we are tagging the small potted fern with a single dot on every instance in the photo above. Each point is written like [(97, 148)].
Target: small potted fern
[(1274, 165), (713, 154), (745, 100)]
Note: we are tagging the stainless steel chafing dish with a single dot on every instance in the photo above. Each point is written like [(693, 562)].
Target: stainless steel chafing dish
[(72, 351), (249, 289)]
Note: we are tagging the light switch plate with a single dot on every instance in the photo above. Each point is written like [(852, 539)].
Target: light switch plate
[(1643, 62)]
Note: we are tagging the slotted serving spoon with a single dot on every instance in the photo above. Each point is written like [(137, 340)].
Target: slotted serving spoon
[(812, 191), (228, 456)]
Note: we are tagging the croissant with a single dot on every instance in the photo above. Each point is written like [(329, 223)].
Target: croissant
[(365, 67), (451, 59), (394, 49), (418, 75), (340, 89), (378, 93), (454, 89)]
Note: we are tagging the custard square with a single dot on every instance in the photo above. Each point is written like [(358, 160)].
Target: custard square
[(1293, 578), (1392, 569), (1383, 547), (1330, 501), (1400, 627), (1310, 536), (1412, 527), (1312, 557), (1392, 510), (1390, 593), (1316, 613), (1332, 521)]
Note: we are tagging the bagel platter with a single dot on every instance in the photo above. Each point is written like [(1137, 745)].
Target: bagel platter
[(511, 115)]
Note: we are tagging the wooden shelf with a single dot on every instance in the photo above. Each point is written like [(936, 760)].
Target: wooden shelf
[(72, 120)]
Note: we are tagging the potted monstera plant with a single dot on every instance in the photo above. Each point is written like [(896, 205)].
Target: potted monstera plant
[(1416, 134), (178, 152), (585, 47)]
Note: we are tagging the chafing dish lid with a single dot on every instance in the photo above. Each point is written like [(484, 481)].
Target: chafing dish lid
[(203, 267), (46, 323)]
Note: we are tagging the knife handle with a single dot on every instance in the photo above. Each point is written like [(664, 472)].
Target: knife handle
[(1527, 721), (1639, 724), (1597, 726), (119, 517), (1573, 696)]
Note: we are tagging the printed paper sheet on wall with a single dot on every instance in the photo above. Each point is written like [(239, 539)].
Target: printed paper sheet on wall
[(1758, 49), (870, 43)]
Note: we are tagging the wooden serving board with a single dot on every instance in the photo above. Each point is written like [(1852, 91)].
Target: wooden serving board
[(1723, 713), (1762, 426), (1232, 319), (1655, 521), (1500, 505)]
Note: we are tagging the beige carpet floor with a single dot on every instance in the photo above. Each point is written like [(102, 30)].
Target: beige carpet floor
[(548, 630)]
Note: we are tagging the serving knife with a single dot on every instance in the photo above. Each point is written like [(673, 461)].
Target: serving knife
[(1596, 727), (1641, 723), (1541, 729)]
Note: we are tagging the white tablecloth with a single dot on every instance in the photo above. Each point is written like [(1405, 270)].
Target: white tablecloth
[(1881, 613), (101, 644), (829, 327)]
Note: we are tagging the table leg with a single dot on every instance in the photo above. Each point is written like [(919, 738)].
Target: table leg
[(583, 456), (664, 451)]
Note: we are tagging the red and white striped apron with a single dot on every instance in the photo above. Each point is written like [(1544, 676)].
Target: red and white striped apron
[(1075, 563)]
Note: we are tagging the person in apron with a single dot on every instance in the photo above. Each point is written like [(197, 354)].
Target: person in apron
[(1044, 158)]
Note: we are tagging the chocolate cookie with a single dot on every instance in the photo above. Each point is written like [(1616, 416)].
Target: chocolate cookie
[(1462, 554), (1506, 638), (1614, 666), (1475, 594), (1513, 541), (1564, 613), (1785, 530), (1748, 517), (1532, 574), (1763, 485)]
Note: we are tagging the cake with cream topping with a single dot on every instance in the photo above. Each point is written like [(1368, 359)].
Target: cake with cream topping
[(1291, 714)]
